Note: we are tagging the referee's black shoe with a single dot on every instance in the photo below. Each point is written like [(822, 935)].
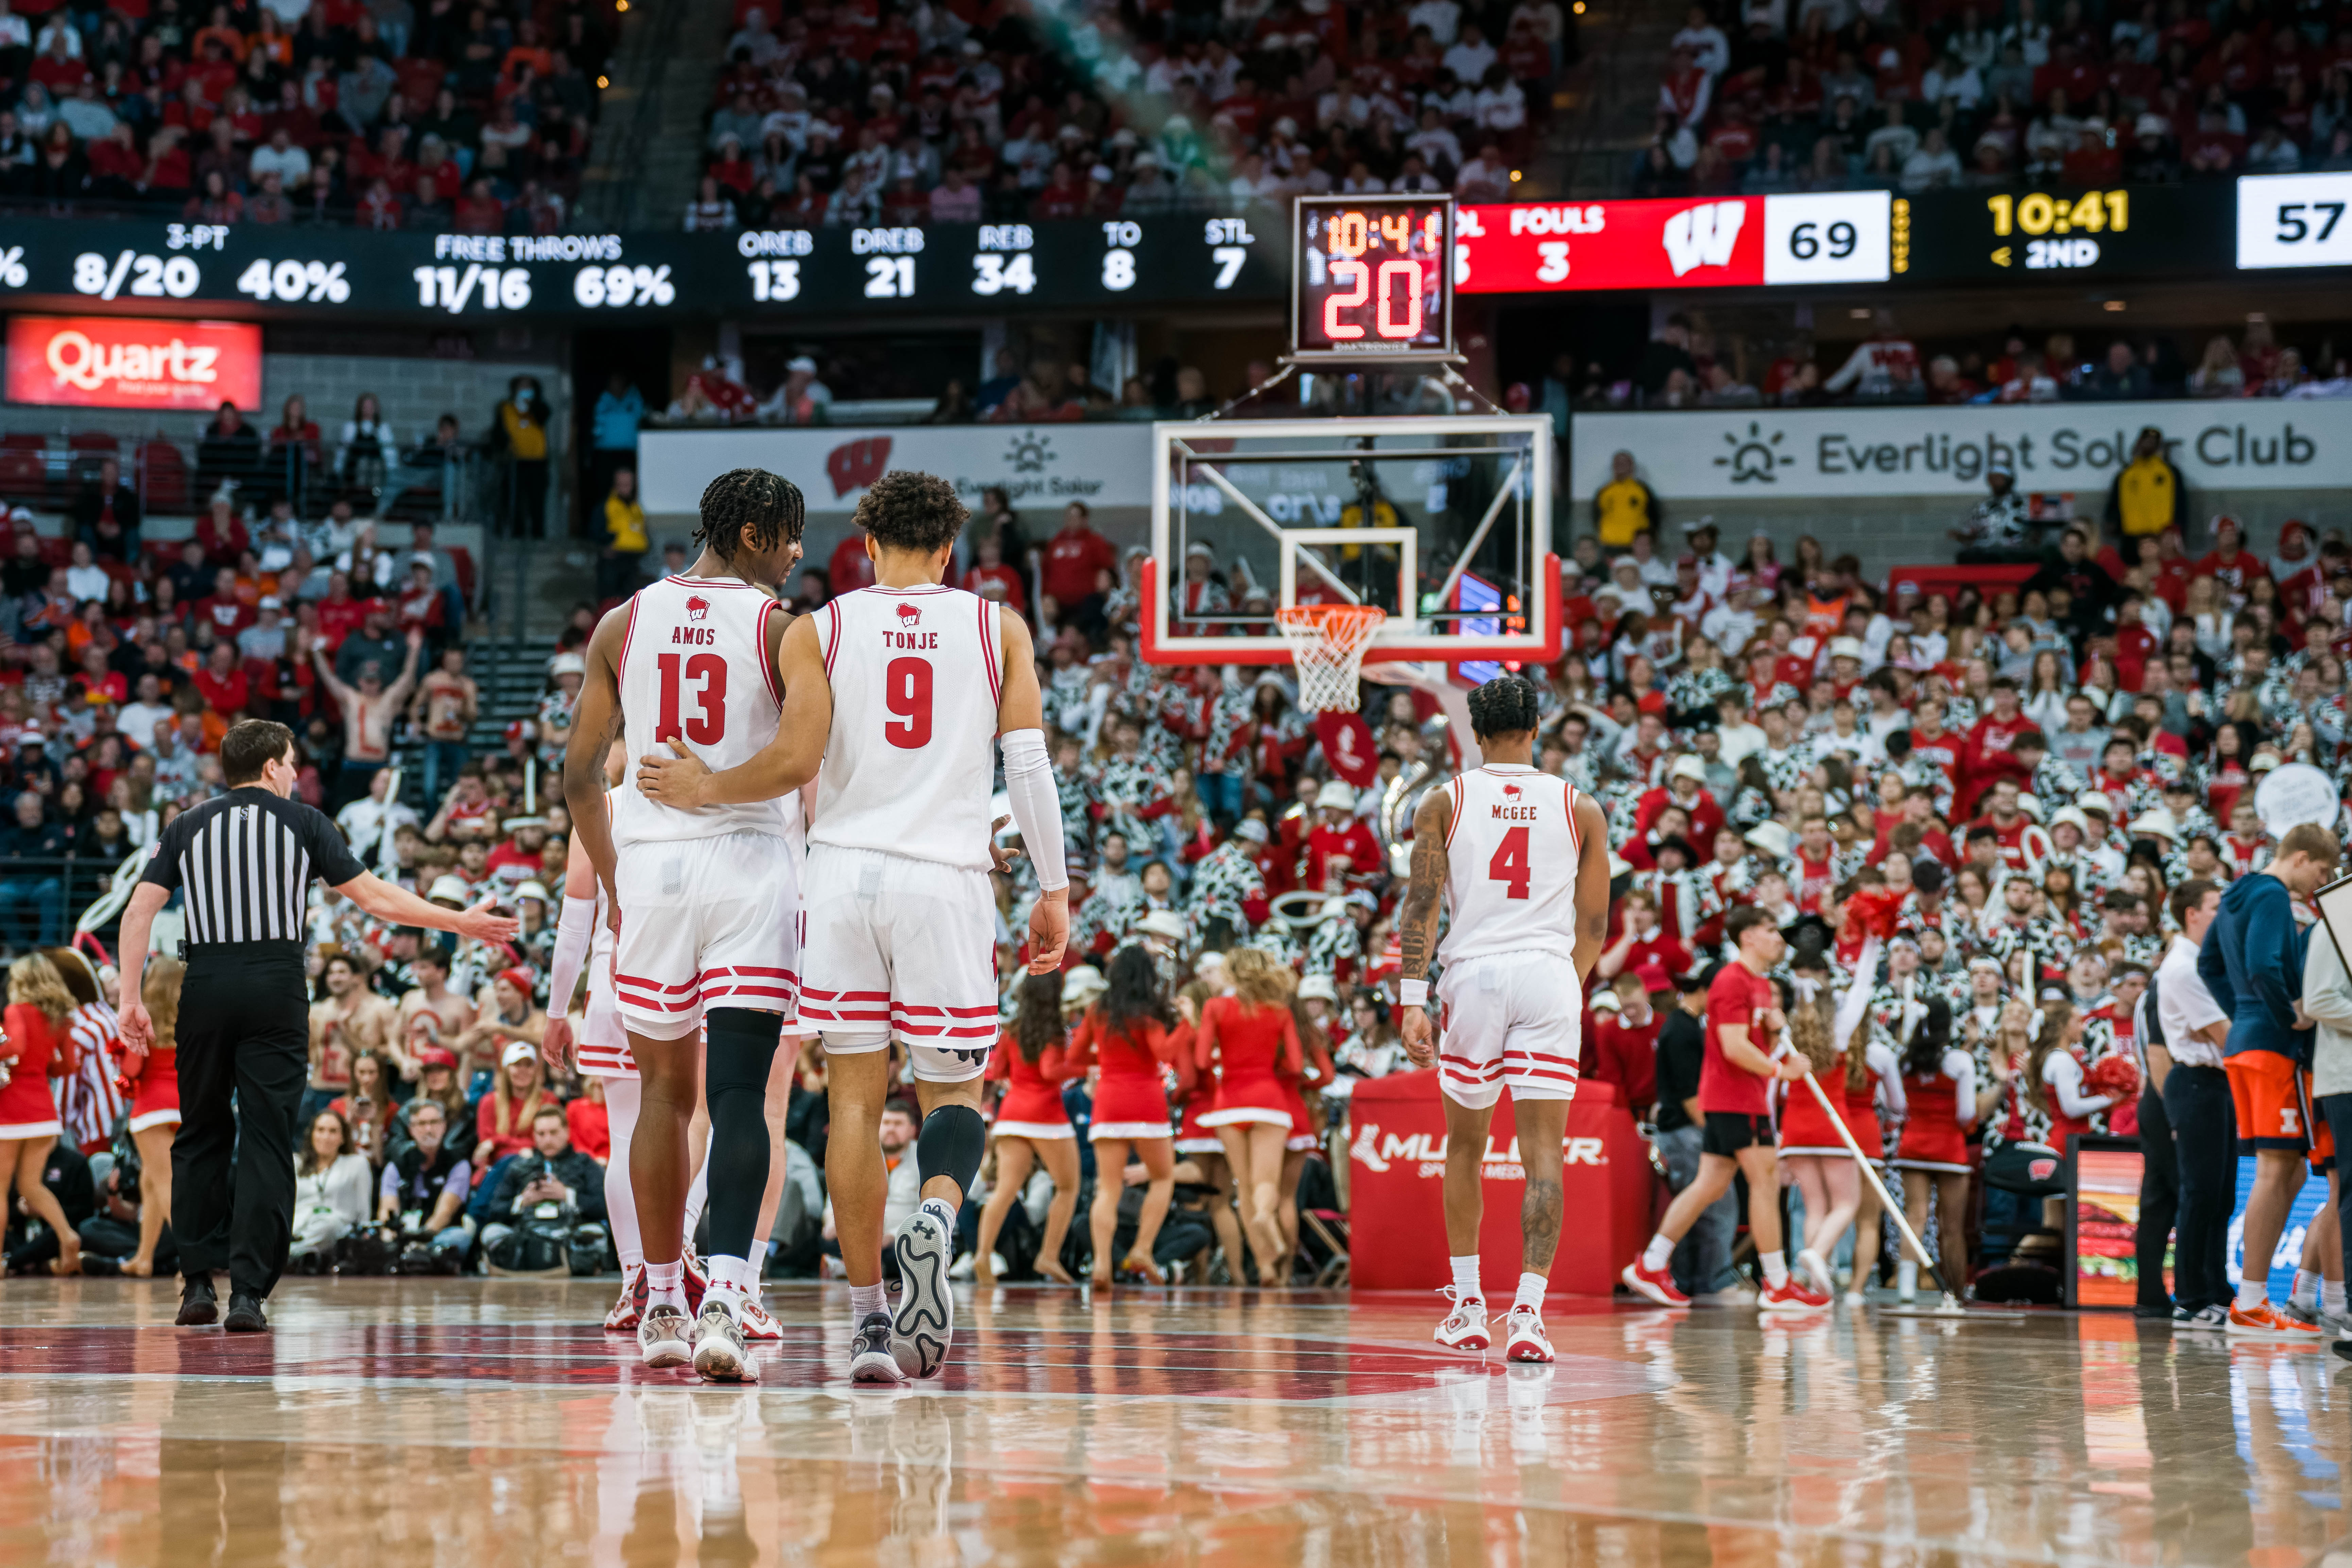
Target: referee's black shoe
[(2343, 1348), (245, 1315), (198, 1305)]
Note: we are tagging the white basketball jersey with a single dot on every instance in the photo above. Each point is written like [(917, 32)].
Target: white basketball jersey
[(694, 667), (911, 761), (1511, 853)]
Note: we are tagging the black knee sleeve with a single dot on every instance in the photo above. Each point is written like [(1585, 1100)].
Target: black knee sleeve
[(742, 1048), (950, 1144)]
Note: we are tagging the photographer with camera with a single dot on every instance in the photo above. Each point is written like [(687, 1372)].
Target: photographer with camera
[(422, 1194), (543, 1200)]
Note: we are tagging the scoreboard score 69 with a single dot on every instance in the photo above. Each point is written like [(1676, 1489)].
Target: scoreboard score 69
[(1371, 276)]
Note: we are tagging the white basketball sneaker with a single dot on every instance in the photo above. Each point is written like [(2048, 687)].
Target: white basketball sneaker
[(1464, 1328), (1524, 1339)]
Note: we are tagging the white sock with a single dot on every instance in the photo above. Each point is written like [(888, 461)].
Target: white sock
[(666, 1284), (1655, 1256), (1775, 1268), (2331, 1297), (865, 1300), (940, 1210), (2307, 1288), (1466, 1279), (1906, 1276), (696, 1196), (2253, 1290), (1531, 1292), (731, 1278)]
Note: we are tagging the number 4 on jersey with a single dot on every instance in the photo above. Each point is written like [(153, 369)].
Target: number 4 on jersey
[(1509, 865)]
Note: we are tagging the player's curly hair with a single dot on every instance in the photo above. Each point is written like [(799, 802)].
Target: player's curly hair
[(749, 507), (1504, 706), (904, 510)]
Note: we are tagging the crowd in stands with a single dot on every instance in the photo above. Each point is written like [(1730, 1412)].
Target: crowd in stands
[(903, 112), (1688, 365), (437, 117), (1767, 96)]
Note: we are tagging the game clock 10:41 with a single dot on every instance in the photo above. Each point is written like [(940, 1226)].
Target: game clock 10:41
[(1372, 276)]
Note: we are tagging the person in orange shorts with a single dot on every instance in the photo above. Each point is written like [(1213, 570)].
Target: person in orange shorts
[(2252, 961)]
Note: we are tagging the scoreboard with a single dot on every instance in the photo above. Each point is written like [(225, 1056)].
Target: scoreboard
[(1371, 276), (948, 269)]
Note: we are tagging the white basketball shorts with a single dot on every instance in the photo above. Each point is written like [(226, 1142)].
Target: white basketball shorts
[(704, 922), (1509, 1018), (901, 947)]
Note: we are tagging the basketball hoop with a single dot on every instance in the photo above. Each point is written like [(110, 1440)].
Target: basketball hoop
[(1326, 646)]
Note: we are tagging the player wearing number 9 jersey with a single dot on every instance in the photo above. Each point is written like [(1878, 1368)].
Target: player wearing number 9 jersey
[(1521, 859), (897, 690)]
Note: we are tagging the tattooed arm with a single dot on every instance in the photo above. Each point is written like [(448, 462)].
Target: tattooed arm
[(1417, 916)]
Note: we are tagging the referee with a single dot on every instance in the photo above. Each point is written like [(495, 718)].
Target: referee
[(244, 860)]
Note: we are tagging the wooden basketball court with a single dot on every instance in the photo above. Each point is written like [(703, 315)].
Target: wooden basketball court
[(483, 1422)]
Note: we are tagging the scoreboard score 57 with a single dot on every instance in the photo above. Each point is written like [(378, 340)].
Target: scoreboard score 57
[(1372, 276)]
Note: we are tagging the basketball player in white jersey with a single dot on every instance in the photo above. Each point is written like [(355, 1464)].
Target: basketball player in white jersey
[(1521, 860), (706, 900), (899, 690)]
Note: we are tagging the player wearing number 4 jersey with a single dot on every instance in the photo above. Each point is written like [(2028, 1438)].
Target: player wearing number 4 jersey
[(707, 901), (1521, 860), (897, 690)]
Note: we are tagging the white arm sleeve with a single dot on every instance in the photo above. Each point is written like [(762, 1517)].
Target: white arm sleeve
[(2063, 1074), (1889, 1072), (1961, 1069), (1037, 805), (573, 930)]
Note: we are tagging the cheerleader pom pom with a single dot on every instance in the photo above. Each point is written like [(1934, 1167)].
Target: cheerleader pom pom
[(2117, 1076)]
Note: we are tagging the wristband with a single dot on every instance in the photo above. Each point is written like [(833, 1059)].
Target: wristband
[(1412, 993)]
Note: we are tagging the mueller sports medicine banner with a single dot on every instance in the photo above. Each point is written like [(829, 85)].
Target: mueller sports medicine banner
[(2241, 444), (125, 361), (1038, 466)]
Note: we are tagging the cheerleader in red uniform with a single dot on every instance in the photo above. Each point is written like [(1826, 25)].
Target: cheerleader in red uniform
[(1031, 1127), (38, 1048), (1195, 1143), (155, 1107), (1316, 1072), (1248, 1039), (1939, 1087), (1851, 1078), (1127, 1036)]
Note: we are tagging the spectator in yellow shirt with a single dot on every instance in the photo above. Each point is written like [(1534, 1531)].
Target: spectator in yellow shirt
[(620, 570), (522, 427), (1624, 506), (2148, 496)]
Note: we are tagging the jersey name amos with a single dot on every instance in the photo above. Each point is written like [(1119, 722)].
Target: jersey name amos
[(909, 639), (702, 636)]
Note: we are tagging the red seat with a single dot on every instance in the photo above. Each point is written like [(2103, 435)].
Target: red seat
[(166, 476), (93, 441), (25, 441), (23, 474), (56, 552)]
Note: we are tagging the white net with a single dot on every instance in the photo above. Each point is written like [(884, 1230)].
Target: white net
[(1326, 646)]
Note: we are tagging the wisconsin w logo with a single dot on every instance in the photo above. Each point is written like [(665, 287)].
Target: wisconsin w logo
[(1704, 236)]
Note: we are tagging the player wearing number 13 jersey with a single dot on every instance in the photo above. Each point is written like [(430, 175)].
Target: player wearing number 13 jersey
[(1521, 860), (706, 900), (897, 690)]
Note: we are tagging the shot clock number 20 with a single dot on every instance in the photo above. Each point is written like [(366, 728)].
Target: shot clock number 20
[(1371, 277)]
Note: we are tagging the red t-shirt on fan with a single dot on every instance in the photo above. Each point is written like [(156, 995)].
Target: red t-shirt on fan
[(1740, 996)]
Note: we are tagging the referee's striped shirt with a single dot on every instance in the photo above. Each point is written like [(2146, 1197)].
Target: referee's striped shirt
[(244, 860)]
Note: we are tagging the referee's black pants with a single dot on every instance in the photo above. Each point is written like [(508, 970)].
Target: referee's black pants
[(2159, 1198), (244, 1027)]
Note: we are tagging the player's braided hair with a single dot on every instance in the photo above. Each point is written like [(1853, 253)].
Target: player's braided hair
[(749, 507), (1504, 706), (909, 511)]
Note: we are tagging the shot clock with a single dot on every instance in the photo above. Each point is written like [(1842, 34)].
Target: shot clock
[(1371, 276)]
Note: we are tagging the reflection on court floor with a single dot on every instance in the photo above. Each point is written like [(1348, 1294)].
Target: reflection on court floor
[(465, 1422)]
